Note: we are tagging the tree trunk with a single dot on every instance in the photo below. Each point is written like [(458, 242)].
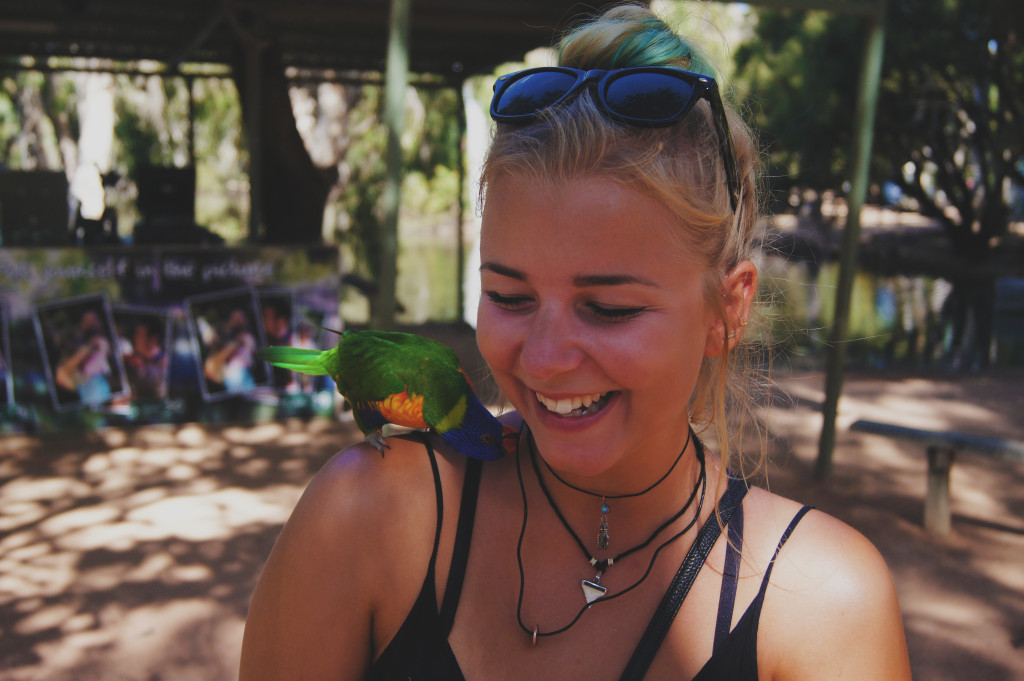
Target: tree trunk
[(294, 189), (970, 309)]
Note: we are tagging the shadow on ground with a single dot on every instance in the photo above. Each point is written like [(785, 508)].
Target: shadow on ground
[(131, 554), (962, 595)]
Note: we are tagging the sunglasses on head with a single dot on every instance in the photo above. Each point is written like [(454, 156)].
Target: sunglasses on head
[(645, 96)]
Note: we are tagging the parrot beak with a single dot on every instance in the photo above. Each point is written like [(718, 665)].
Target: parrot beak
[(509, 438)]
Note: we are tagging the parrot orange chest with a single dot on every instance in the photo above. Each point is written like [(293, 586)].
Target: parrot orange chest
[(403, 409)]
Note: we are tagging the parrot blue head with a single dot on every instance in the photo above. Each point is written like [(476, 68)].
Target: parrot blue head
[(480, 433)]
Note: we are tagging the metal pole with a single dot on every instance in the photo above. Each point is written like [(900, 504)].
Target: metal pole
[(867, 99), (395, 82), (190, 86), (460, 246), (254, 135)]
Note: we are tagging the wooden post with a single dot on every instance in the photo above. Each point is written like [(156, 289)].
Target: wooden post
[(190, 88), (395, 82), (867, 99), (937, 515), (460, 246), (254, 135)]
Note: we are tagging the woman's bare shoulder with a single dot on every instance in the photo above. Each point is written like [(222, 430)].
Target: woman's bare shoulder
[(363, 486), (344, 562), (830, 610)]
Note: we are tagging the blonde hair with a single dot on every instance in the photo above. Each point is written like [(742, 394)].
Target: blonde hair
[(679, 165)]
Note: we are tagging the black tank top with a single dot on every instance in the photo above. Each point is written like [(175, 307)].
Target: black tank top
[(420, 650)]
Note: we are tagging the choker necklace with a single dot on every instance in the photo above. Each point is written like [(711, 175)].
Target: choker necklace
[(599, 595), (602, 531)]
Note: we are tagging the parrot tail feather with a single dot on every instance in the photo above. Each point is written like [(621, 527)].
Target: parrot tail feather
[(303, 360)]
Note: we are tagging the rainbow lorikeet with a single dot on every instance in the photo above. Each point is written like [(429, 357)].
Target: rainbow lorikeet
[(404, 379)]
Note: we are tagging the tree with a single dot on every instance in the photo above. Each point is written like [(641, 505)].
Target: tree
[(430, 195), (949, 131), (292, 189), (798, 75), (953, 107)]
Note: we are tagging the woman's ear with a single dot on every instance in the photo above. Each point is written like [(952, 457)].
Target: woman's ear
[(738, 295)]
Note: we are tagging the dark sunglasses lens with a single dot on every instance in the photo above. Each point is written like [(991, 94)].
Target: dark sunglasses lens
[(531, 93), (648, 96)]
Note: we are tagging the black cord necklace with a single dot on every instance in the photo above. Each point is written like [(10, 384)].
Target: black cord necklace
[(602, 532), (535, 633), (606, 563)]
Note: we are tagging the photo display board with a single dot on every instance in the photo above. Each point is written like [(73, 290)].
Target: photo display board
[(119, 336)]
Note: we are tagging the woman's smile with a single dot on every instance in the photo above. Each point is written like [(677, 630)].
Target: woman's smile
[(575, 406)]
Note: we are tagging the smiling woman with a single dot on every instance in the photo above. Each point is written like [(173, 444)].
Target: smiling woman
[(617, 273)]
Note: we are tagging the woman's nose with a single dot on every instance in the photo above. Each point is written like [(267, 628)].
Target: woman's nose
[(551, 347)]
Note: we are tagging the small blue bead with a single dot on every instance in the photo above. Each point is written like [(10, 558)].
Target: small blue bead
[(605, 508)]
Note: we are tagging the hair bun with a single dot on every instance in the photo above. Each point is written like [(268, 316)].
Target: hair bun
[(628, 36)]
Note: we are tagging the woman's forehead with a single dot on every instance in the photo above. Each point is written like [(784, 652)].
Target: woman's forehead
[(525, 212)]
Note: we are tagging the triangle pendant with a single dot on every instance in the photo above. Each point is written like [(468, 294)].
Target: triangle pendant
[(592, 591)]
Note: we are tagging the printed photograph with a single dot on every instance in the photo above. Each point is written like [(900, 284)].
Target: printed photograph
[(6, 377), (277, 313), (80, 352), (144, 337), (227, 330)]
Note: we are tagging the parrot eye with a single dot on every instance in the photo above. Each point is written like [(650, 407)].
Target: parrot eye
[(487, 439)]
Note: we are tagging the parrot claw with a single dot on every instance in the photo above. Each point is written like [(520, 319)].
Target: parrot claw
[(376, 438)]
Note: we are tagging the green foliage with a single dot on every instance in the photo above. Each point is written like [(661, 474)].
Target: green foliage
[(430, 189), (951, 105), (364, 184), (439, 134), (800, 73), (28, 138), (713, 26), (152, 121), (10, 122), (948, 122), (222, 198)]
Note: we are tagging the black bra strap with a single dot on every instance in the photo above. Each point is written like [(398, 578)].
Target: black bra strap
[(460, 552), (782, 542), (685, 576), (730, 578), (440, 500)]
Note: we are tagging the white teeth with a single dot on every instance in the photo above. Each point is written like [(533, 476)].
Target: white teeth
[(568, 405)]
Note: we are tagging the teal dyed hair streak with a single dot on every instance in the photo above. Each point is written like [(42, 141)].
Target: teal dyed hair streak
[(653, 46), (651, 42)]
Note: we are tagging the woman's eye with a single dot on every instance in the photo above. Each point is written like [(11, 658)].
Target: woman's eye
[(615, 314), (513, 303)]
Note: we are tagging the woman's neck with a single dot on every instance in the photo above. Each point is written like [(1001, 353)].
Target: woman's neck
[(632, 514)]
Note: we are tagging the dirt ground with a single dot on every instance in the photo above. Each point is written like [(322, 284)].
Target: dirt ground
[(130, 554)]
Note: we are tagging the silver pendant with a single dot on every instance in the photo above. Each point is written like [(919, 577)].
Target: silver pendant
[(602, 531), (592, 590)]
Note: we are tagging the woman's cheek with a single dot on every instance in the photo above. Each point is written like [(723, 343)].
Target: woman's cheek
[(488, 335)]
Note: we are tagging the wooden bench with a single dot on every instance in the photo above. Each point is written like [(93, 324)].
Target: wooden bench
[(942, 447)]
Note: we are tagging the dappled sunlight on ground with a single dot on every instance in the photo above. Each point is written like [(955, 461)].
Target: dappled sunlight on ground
[(962, 595), (132, 553)]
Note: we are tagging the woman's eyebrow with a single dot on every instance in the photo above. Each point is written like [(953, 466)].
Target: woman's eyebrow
[(581, 281), (585, 281), (503, 271)]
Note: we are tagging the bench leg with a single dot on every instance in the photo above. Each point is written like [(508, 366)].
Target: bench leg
[(937, 517)]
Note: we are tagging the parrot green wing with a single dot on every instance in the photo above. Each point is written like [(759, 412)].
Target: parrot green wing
[(424, 375)]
